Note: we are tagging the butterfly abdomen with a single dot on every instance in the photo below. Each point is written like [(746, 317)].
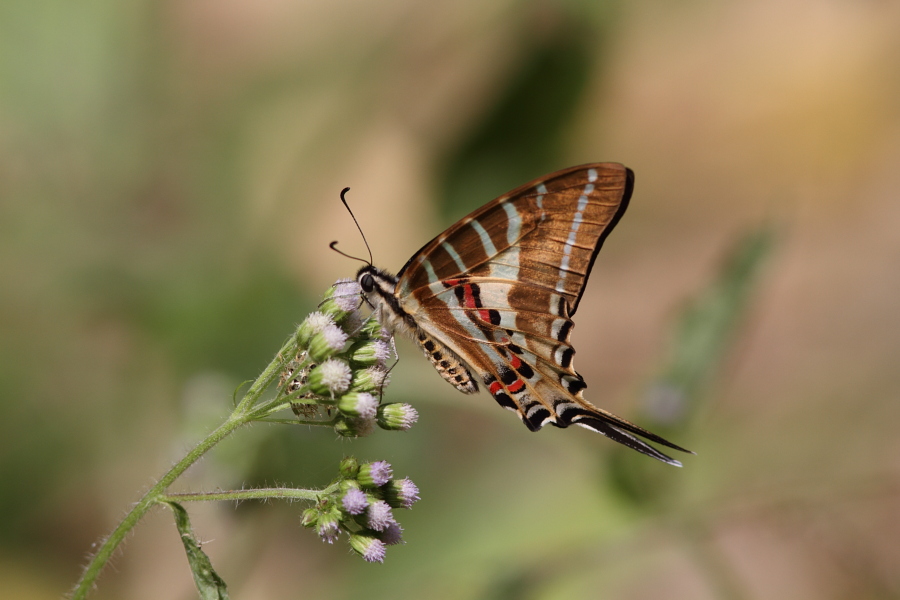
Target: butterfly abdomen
[(446, 363)]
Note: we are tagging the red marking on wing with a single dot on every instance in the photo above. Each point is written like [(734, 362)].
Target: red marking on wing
[(451, 282), (517, 385), (495, 387), (515, 362)]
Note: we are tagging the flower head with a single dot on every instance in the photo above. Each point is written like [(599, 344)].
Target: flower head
[(355, 427), (331, 377), (355, 501), (367, 546), (312, 325), (370, 380), (375, 474), (392, 534), (327, 342), (328, 527), (358, 404), (379, 515), (401, 493), (397, 415), (370, 352)]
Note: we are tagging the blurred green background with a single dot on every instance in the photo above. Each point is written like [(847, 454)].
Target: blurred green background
[(169, 178)]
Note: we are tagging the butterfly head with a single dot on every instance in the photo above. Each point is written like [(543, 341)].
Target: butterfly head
[(378, 290)]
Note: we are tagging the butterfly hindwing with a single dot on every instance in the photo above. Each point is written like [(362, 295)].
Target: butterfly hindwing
[(497, 290)]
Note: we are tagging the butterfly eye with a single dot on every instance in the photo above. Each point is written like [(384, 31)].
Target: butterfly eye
[(367, 283)]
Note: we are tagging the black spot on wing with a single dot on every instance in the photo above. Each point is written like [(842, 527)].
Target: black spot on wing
[(508, 376), (505, 401), (536, 419), (566, 358)]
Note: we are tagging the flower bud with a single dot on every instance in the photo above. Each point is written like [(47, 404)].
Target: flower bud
[(370, 380), (368, 352), (392, 534), (309, 517), (354, 501), (379, 515), (327, 342), (374, 330), (349, 467), (358, 404), (331, 377), (367, 546), (400, 493), (396, 415), (312, 325), (342, 298), (328, 526), (354, 427), (374, 474)]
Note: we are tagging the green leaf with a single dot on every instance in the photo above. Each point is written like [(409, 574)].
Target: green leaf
[(209, 584)]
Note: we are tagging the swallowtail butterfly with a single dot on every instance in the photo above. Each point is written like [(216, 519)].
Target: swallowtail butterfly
[(491, 299)]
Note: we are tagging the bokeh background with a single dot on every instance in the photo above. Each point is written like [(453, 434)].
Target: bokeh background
[(169, 178)]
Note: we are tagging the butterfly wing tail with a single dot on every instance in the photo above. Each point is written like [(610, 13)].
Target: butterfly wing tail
[(605, 426)]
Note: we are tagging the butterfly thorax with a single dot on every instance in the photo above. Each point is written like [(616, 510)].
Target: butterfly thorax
[(378, 288)]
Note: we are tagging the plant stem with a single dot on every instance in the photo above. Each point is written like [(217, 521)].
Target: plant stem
[(147, 502), (250, 494)]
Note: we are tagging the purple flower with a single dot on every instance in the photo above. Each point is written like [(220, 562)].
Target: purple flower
[(375, 474), (331, 377), (367, 546), (355, 501), (328, 528), (358, 404), (392, 534), (397, 415), (379, 515), (401, 493)]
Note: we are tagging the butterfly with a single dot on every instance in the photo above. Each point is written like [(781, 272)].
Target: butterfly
[(491, 299)]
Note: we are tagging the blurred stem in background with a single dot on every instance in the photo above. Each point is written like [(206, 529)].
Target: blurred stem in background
[(703, 336)]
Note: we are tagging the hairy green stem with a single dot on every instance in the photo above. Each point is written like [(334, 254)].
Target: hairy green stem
[(242, 415), (147, 502), (251, 494)]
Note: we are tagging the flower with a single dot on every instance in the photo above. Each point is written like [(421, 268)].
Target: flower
[(392, 534), (367, 546), (401, 493), (355, 501), (358, 404), (331, 377), (379, 515), (327, 342), (396, 415), (369, 352), (372, 379), (375, 474), (355, 427), (328, 527), (312, 325)]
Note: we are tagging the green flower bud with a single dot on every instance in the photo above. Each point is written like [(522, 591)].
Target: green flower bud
[(358, 404), (329, 378), (313, 324), (396, 415), (309, 517), (327, 342), (348, 467), (368, 352), (374, 474), (341, 299), (370, 380), (351, 427), (368, 546)]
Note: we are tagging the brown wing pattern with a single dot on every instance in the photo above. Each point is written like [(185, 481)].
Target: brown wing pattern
[(499, 287)]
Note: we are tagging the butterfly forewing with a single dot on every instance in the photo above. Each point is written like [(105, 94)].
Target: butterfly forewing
[(498, 289)]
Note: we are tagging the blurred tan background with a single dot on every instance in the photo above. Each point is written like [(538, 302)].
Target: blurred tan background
[(169, 178)]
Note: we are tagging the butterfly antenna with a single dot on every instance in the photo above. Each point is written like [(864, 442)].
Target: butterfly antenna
[(365, 241)]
